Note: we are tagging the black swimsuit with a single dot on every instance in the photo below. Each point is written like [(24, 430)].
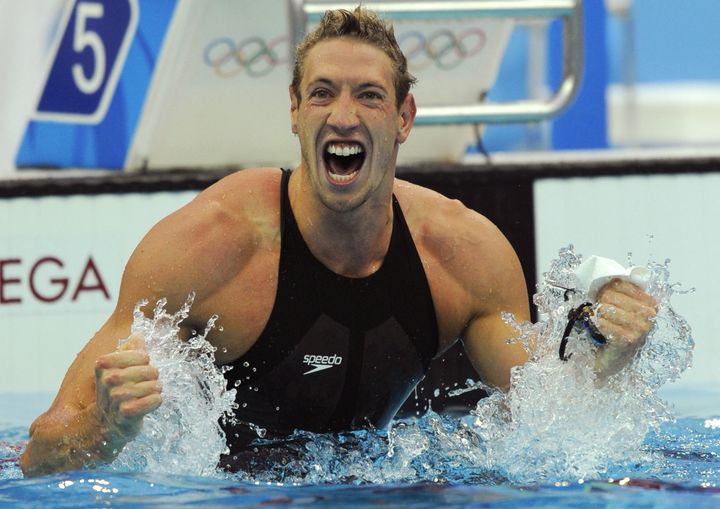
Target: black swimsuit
[(337, 353)]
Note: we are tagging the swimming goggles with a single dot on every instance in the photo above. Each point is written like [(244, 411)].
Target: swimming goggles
[(580, 320)]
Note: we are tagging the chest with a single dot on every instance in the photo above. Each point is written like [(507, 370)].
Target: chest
[(325, 375), (245, 303)]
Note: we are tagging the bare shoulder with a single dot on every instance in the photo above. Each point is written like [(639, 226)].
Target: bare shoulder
[(202, 245), (237, 212), (462, 250), (252, 193), (446, 227)]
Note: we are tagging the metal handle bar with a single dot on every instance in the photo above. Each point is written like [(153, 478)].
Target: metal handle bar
[(516, 111)]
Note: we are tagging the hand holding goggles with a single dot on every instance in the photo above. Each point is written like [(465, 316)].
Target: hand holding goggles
[(590, 276), (580, 320)]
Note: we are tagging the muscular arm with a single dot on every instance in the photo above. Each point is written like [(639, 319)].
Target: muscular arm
[(104, 394), (107, 391), (474, 275), (625, 316), (499, 288), (82, 429), (486, 279)]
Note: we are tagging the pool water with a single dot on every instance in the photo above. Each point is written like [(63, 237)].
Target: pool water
[(683, 471)]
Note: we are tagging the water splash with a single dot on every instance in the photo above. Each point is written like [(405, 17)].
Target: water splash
[(555, 416), (183, 436), (555, 424)]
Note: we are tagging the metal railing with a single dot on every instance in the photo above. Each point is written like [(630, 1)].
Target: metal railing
[(570, 11)]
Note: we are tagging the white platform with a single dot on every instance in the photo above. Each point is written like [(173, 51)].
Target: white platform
[(661, 114)]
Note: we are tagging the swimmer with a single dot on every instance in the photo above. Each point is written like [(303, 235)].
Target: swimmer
[(336, 283)]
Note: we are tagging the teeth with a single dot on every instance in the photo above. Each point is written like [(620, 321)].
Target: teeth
[(343, 178), (344, 150)]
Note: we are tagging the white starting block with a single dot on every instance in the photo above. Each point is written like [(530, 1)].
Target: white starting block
[(160, 84)]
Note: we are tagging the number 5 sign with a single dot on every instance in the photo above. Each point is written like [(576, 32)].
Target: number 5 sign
[(90, 52)]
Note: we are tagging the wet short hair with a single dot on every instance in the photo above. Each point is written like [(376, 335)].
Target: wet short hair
[(363, 25)]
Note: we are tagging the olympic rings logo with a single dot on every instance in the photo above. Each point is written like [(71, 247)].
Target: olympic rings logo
[(258, 57), (253, 55), (442, 48)]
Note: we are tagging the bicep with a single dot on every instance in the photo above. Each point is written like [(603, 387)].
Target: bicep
[(146, 276), (77, 390), (499, 287), (486, 342)]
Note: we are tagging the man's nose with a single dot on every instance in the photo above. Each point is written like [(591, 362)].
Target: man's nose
[(343, 115)]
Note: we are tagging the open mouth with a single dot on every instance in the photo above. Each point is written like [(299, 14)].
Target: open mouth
[(343, 161)]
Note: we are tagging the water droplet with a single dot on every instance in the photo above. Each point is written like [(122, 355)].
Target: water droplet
[(185, 367)]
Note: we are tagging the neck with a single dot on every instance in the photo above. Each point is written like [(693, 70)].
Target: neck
[(350, 243)]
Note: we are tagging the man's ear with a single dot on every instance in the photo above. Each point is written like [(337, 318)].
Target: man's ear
[(293, 110), (406, 118)]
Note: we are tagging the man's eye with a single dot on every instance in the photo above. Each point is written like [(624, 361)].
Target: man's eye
[(371, 95), (320, 94)]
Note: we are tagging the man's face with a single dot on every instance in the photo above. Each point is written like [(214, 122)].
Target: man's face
[(348, 123)]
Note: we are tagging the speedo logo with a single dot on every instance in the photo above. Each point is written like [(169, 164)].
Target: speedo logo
[(321, 362)]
